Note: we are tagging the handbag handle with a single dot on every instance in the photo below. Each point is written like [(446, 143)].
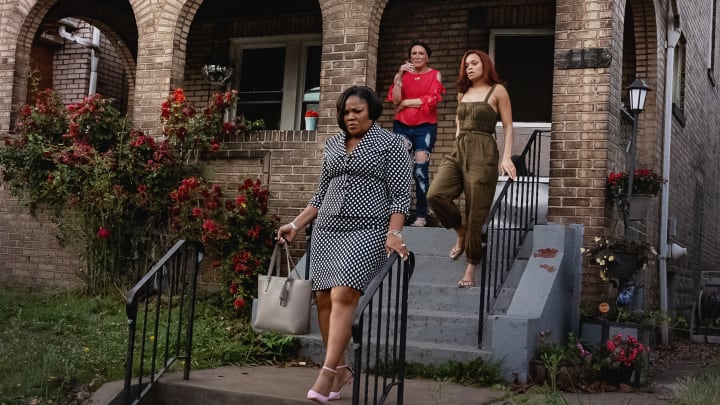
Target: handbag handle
[(275, 262)]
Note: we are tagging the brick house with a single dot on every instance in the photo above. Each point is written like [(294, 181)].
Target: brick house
[(568, 64)]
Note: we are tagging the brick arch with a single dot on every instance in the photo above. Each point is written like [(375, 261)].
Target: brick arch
[(116, 25), (186, 14), (162, 27), (23, 20), (376, 13), (346, 24), (646, 66)]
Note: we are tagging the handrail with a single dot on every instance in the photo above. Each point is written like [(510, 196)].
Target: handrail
[(169, 285), (379, 333), (511, 217)]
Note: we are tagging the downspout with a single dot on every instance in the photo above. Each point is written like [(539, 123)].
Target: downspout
[(93, 45), (673, 36)]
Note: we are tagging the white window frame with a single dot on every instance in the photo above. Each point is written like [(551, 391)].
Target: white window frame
[(294, 73), (511, 32)]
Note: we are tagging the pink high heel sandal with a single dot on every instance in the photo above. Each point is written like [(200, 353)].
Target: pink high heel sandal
[(316, 396), (335, 395)]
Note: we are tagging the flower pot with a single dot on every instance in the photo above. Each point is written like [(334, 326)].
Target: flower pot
[(639, 207), (539, 373), (624, 266), (310, 123), (618, 375)]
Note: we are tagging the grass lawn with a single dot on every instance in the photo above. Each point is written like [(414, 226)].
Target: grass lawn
[(56, 346)]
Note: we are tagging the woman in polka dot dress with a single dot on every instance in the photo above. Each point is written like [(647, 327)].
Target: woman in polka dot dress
[(359, 209)]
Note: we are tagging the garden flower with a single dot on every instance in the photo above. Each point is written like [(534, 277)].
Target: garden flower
[(625, 351), (645, 181), (103, 233)]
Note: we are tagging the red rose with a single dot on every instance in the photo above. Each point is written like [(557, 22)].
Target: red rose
[(103, 233)]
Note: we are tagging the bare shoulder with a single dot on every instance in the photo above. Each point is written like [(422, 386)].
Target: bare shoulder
[(500, 89), (439, 76)]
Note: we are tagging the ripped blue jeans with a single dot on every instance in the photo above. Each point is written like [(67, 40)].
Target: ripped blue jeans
[(422, 137)]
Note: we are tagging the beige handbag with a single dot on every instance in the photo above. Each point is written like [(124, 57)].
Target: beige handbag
[(283, 303)]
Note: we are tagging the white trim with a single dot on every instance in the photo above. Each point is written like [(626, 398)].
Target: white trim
[(537, 125), (294, 72)]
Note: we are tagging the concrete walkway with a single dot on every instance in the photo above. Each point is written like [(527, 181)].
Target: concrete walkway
[(271, 385)]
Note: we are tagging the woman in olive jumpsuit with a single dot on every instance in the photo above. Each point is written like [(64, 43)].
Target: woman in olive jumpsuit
[(472, 167)]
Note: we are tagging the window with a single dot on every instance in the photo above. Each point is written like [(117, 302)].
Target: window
[(279, 78), (678, 89), (712, 44), (524, 59)]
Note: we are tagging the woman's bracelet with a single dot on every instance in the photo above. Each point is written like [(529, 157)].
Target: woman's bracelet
[(395, 233), (293, 226)]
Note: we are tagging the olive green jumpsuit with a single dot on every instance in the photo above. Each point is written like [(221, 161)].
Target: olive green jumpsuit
[(472, 168)]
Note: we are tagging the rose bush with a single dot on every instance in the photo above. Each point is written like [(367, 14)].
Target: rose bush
[(622, 351), (109, 188), (237, 232)]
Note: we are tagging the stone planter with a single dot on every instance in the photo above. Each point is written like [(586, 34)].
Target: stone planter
[(620, 375), (595, 332), (639, 206)]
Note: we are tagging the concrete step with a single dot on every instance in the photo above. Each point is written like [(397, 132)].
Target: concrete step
[(443, 298), (416, 351)]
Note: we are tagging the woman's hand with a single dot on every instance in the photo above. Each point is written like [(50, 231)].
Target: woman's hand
[(287, 233), (508, 167), (395, 243), (406, 67)]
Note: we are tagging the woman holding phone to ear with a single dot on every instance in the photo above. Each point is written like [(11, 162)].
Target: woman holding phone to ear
[(416, 91)]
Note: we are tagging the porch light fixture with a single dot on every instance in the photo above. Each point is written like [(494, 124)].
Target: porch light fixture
[(638, 92), (217, 71)]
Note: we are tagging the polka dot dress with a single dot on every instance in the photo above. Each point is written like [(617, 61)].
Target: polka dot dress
[(356, 195)]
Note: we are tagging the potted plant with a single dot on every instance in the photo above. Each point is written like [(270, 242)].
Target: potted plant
[(311, 117), (620, 357), (646, 184), (620, 258)]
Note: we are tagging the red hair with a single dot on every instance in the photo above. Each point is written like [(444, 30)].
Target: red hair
[(489, 74)]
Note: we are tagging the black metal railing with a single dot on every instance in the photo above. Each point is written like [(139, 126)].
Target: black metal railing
[(160, 310), (511, 217), (379, 334)]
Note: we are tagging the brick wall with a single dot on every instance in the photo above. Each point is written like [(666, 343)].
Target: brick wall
[(112, 80), (363, 43), (72, 68), (30, 255)]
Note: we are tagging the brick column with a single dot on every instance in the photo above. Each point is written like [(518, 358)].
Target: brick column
[(581, 113), (162, 37), (350, 42)]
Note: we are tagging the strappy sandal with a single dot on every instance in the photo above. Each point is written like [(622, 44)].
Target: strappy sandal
[(466, 284), (316, 396), (458, 249), (335, 395), (456, 252)]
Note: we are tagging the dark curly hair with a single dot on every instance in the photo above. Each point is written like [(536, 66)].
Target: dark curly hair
[(421, 43), (365, 93)]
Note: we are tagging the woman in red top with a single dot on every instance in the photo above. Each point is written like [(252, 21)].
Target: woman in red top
[(416, 91)]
